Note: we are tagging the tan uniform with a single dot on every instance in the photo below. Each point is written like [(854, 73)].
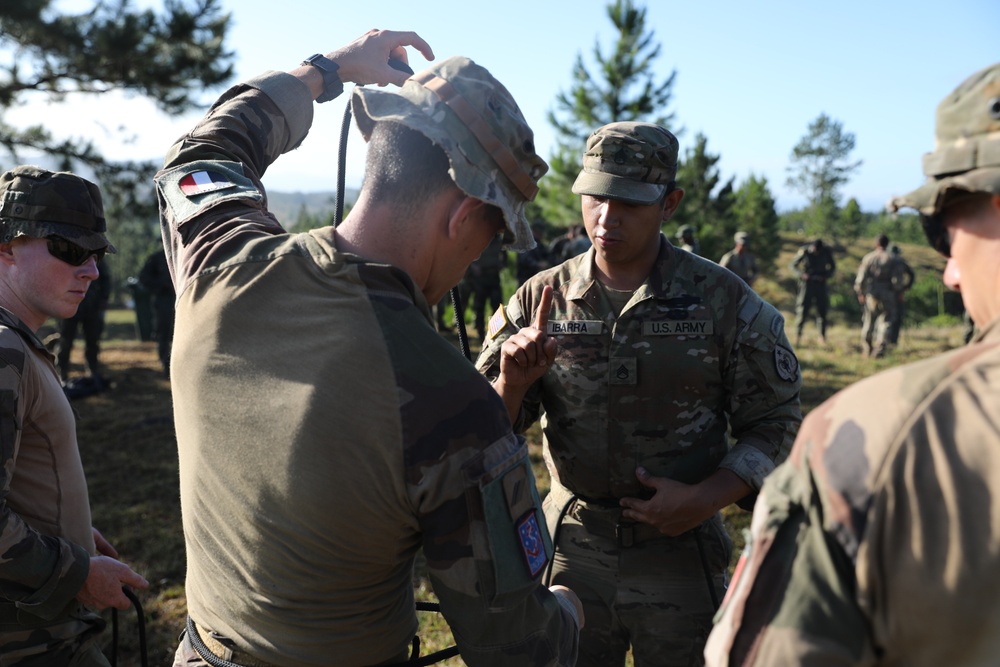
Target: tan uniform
[(878, 541)]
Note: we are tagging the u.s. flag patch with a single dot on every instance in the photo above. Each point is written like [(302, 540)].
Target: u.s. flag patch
[(497, 323), (532, 544), (201, 182)]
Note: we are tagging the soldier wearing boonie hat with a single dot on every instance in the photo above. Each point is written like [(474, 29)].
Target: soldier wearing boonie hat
[(630, 353), (883, 515), (58, 571), (366, 408), (39, 203)]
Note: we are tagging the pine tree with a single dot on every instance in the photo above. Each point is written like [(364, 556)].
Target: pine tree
[(755, 213), (623, 88), (710, 214)]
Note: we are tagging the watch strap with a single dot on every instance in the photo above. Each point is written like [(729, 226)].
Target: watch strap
[(332, 85)]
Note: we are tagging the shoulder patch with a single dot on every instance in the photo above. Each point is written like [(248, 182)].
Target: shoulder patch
[(191, 189), (786, 364), (532, 545), (497, 323)]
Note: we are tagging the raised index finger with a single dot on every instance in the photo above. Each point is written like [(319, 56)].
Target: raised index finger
[(544, 306)]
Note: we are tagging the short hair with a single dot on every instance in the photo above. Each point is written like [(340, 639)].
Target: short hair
[(403, 167), (882, 241)]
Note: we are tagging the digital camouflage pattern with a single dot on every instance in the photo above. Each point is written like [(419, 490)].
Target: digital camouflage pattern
[(693, 354), (471, 116), (877, 542), (326, 433), (875, 283), (814, 265), (45, 527), (37, 202)]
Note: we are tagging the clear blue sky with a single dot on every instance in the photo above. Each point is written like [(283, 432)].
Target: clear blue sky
[(750, 76)]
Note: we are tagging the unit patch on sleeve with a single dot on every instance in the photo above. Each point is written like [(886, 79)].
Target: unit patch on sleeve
[(532, 544), (786, 364), (201, 182)]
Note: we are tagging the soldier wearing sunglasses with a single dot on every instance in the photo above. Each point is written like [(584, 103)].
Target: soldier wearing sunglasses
[(878, 541), (55, 568)]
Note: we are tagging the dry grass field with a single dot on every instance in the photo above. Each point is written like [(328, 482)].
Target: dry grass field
[(129, 451)]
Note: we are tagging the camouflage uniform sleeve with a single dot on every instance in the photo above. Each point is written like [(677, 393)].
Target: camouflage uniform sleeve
[(247, 129), (794, 576), (764, 399), (40, 574), (484, 533), (862, 279), (797, 261)]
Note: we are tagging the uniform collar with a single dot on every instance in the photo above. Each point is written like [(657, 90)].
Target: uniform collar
[(11, 321)]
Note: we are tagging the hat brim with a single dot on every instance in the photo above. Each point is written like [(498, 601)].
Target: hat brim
[(81, 237), (600, 184), (929, 197)]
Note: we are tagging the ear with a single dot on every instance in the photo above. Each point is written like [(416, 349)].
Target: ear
[(7, 254), (464, 210), (671, 202)]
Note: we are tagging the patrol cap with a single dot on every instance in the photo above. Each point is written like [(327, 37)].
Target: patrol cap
[(630, 161), (966, 154), (459, 106), (741, 237), (37, 202)]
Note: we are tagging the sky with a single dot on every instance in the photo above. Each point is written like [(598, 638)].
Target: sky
[(751, 76)]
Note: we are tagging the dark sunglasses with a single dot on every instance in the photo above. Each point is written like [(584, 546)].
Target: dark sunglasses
[(936, 233), (70, 252)]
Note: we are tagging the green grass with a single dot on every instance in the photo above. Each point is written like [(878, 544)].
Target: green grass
[(129, 451)]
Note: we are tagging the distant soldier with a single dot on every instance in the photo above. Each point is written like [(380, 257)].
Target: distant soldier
[(89, 317), (902, 281), (814, 265), (685, 234), (155, 277), (873, 286), (740, 260)]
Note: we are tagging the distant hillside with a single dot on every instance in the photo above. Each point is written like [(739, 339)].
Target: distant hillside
[(286, 206)]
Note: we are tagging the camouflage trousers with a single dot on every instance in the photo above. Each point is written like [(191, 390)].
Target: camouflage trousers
[(652, 596), (71, 641), (811, 293), (880, 312)]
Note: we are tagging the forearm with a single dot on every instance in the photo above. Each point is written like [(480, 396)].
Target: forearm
[(512, 397)]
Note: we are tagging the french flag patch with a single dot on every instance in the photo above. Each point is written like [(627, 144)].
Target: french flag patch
[(201, 182), (531, 544)]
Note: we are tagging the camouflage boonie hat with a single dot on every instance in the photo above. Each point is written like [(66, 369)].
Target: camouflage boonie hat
[(633, 162), (37, 202), (967, 145), (459, 106)]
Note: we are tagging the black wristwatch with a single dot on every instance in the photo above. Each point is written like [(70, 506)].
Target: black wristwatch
[(332, 85)]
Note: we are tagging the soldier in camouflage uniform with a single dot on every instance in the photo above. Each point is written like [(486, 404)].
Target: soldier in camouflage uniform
[(641, 357), (876, 543), (56, 568), (814, 265), (326, 432), (740, 260), (685, 234), (874, 289)]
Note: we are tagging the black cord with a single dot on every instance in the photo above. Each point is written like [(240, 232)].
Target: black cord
[(547, 578), (705, 568), (141, 624), (345, 127)]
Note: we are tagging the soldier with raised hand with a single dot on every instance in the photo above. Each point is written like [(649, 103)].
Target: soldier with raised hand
[(326, 432), (875, 291), (642, 358), (877, 542), (56, 568), (814, 265)]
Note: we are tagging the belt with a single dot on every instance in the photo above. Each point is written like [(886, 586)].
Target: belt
[(605, 520), (218, 654)]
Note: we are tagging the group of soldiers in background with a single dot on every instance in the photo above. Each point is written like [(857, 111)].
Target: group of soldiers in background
[(883, 278)]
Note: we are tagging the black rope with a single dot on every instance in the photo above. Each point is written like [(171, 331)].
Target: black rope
[(463, 335), (140, 623), (705, 568)]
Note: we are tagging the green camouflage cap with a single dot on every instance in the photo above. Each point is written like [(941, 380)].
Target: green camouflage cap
[(37, 202), (633, 162), (460, 107), (967, 147)]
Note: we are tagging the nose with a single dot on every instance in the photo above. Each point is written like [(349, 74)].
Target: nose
[(88, 269), (952, 277), (609, 214)]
